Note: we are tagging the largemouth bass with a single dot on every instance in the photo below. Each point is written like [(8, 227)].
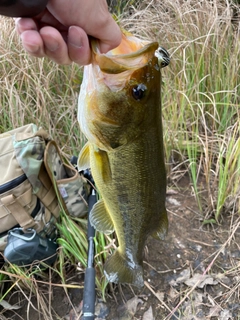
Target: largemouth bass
[(120, 114)]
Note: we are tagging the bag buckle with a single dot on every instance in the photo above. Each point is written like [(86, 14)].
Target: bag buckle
[(18, 233)]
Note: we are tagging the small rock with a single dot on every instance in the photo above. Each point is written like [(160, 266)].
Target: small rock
[(183, 276), (173, 201), (222, 278), (148, 315), (200, 281), (101, 310), (225, 315), (214, 311), (128, 310)]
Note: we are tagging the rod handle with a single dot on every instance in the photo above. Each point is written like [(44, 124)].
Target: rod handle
[(89, 295)]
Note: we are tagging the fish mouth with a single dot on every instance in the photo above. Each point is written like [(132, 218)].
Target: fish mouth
[(114, 68), (131, 54)]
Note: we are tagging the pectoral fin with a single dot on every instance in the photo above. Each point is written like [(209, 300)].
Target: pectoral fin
[(101, 161), (100, 218), (161, 231), (84, 158)]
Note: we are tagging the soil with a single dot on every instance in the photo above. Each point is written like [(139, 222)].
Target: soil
[(192, 274)]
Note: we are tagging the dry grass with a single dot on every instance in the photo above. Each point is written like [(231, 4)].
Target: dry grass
[(38, 91)]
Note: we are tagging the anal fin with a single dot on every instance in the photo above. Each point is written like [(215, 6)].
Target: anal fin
[(100, 218)]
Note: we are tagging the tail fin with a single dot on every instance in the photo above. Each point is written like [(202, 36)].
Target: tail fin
[(120, 269)]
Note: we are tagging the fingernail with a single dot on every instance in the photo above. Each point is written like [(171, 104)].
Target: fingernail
[(30, 48), (51, 44), (74, 38)]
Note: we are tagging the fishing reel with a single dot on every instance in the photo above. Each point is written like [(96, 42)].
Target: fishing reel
[(26, 247), (86, 173)]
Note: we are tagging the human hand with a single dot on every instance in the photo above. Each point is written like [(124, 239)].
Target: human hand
[(61, 31)]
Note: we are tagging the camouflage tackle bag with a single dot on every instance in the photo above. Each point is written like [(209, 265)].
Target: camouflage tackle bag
[(72, 188), (35, 183)]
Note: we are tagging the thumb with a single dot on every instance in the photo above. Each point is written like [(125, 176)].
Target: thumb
[(109, 36)]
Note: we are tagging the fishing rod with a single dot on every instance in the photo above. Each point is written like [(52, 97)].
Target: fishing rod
[(89, 293)]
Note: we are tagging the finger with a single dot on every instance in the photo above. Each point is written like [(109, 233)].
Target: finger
[(32, 43), (110, 35), (78, 46), (47, 19), (95, 20), (36, 23), (55, 47), (104, 27), (24, 24)]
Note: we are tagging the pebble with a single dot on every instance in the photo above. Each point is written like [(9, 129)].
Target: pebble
[(101, 310)]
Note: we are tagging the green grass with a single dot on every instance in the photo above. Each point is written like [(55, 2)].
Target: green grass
[(201, 105)]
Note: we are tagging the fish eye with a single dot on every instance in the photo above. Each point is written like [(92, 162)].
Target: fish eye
[(138, 91)]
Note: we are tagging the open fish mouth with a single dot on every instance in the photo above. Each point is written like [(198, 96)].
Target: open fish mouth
[(127, 57), (115, 62)]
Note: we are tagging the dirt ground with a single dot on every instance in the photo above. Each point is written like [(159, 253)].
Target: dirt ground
[(193, 274)]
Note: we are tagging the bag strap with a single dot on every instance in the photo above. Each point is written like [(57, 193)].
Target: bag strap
[(50, 160), (19, 213), (47, 193)]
